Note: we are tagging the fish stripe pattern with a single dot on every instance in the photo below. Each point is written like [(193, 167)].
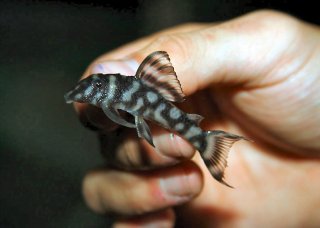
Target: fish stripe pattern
[(148, 96)]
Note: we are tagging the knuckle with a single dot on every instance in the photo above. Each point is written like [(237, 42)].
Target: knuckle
[(271, 14), (281, 27), (272, 18), (275, 21)]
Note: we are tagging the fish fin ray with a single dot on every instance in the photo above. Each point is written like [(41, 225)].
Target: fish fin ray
[(156, 71), (216, 152), (143, 130), (114, 115)]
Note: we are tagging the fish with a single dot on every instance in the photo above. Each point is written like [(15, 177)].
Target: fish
[(149, 95)]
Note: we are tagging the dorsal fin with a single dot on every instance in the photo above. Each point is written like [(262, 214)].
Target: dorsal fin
[(195, 117), (156, 71)]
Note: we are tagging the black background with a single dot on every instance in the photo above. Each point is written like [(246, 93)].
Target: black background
[(44, 48)]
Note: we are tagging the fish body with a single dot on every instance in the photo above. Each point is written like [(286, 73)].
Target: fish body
[(148, 96)]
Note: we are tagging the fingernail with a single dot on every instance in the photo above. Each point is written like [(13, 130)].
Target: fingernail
[(124, 67), (181, 188), (173, 146)]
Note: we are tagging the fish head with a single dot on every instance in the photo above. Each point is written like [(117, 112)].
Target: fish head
[(88, 90)]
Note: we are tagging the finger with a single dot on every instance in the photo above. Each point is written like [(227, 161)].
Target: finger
[(136, 193), (163, 218), (127, 151)]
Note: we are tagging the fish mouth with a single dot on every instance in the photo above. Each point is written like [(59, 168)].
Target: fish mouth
[(68, 97)]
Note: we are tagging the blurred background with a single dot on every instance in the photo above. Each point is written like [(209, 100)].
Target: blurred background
[(44, 48)]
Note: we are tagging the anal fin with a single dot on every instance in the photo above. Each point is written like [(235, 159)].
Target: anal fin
[(143, 130)]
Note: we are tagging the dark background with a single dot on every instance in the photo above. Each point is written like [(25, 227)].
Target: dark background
[(44, 48)]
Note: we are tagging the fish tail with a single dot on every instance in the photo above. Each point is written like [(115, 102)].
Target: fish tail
[(215, 149)]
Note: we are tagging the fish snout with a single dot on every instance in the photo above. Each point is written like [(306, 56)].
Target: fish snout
[(74, 95), (68, 97)]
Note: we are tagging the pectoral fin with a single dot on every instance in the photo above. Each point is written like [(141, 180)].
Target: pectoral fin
[(143, 130), (114, 115)]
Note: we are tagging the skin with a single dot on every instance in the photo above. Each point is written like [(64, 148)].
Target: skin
[(258, 76)]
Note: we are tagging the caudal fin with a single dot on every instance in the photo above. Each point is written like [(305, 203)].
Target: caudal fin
[(215, 153)]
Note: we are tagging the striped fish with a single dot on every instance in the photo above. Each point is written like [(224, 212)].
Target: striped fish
[(148, 96)]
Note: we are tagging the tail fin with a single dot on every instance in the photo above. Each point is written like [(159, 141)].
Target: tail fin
[(215, 153)]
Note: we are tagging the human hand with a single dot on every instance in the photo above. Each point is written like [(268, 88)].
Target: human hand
[(258, 76)]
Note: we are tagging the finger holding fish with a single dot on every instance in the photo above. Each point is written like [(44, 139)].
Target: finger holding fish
[(124, 150)]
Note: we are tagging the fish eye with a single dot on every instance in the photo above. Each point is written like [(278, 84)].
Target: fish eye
[(98, 84)]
